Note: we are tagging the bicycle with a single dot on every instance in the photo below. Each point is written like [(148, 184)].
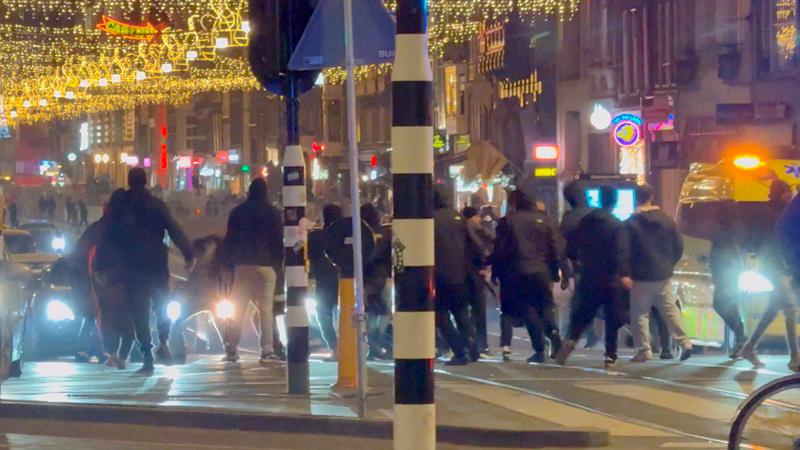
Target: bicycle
[(779, 427)]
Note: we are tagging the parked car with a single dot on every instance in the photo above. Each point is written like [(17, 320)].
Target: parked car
[(47, 237), (22, 252), (14, 282)]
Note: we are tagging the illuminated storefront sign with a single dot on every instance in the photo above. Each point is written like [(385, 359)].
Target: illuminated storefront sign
[(545, 152), (545, 172), (627, 117), (627, 133), (137, 32)]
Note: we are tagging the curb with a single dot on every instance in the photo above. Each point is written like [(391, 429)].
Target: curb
[(322, 425)]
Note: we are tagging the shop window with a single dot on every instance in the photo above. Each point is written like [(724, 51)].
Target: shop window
[(451, 91)]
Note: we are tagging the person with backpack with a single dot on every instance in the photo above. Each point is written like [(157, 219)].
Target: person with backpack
[(655, 247)]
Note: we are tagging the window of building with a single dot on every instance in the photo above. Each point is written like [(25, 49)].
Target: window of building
[(462, 94), (334, 120), (784, 34), (451, 91)]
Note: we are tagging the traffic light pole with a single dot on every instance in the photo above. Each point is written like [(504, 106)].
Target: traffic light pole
[(412, 168), (294, 231)]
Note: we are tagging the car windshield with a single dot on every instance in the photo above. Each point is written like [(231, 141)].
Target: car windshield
[(19, 243)]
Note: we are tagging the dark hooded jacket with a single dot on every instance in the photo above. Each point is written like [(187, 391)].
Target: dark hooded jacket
[(255, 233), (450, 237), (601, 245), (655, 245)]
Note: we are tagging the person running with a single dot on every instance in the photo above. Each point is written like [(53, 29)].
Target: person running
[(726, 262), (450, 238), (601, 252), (775, 268), (479, 247), (252, 252), (655, 247), (531, 243), (137, 230), (326, 276)]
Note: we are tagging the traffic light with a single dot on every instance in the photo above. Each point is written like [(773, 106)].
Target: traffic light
[(276, 27), (245, 168)]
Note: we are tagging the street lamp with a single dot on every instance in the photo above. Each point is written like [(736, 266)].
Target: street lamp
[(106, 158), (97, 158)]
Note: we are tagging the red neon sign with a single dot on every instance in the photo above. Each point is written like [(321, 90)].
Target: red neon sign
[(137, 32)]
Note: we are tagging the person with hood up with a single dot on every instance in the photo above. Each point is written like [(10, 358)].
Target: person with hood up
[(655, 247), (450, 239), (252, 251), (530, 244), (137, 228), (601, 250), (326, 277), (777, 269)]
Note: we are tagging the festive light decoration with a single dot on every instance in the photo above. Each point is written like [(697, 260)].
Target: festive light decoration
[(146, 32)]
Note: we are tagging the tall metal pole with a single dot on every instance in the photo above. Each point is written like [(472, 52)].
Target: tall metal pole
[(412, 168), (358, 263), (294, 235)]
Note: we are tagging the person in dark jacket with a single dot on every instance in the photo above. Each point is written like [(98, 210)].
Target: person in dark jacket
[(99, 269), (726, 263), (377, 269), (13, 215), (655, 247), (602, 252), (774, 266), (252, 252), (137, 229), (450, 238), (479, 247), (532, 246), (326, 276), (72, 211), (83, 213)]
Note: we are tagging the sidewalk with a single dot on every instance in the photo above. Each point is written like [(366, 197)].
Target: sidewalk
[(208, 394)]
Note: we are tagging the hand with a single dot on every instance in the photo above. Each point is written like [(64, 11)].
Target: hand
[(627, 282), (564, 283)]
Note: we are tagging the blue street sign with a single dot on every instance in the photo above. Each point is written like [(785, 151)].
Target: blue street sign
[(322, 44)]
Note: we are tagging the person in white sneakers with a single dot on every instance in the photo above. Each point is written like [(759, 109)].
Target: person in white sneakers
[(655, 246)]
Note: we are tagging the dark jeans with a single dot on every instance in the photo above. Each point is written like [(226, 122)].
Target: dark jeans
[(450, 300), (540, 314), (141, 290), (327, 300), (476, 301), (726, 304), (592, 293)]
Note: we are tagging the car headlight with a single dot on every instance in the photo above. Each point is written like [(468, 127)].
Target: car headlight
[(752, 282), (59, 244), (225, 309), (58, 311), (311, 305), (174, 310)]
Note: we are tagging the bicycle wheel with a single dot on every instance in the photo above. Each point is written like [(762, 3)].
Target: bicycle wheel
[(769, 418)]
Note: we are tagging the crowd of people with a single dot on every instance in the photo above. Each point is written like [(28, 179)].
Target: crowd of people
[(620, 271)]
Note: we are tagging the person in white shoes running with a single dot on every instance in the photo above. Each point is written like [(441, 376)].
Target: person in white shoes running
[(655, 246)]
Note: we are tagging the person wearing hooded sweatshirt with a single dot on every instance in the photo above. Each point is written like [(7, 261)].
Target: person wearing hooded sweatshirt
[(655, 247), (252, 251), (450, 240), (326, 277), (137, 227), (601, 250), (776, 268)]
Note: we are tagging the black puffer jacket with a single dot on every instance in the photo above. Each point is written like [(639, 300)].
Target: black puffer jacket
[(601, 245), (450, 241), (655, 245)]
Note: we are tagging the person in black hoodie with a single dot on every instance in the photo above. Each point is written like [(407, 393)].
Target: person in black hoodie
[(531, 243), (601, 250), (326, 276), (377, 269), (655, 247), (450, 239), (252, 251)]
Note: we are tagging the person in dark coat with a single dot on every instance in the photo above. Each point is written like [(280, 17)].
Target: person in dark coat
[(326, 276), (137, 229), (774, 266), (252, 252), (655, 247), (450, 238), (601, 248), (72, 211), (531, 246), (377, 269), (479, 247), (99, 269), (83, 213), (13, 214)]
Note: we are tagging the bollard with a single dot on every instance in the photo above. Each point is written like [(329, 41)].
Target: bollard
[(412, 226), (348, 363)]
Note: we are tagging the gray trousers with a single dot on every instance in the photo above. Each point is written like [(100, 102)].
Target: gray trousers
[(253, 284), (646, 295)]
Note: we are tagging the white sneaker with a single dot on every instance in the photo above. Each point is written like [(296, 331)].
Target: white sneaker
[(642, 356)]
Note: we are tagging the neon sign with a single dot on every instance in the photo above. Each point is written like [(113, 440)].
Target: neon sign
[(114, 27), (627, 117), (627, 133)]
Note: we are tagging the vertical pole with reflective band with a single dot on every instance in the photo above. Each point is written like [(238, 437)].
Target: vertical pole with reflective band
[(294, 211), (412, 168)]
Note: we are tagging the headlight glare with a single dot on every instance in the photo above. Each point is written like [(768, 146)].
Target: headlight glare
[(174, 310), (225, 309), (57, 311), (752, 282)]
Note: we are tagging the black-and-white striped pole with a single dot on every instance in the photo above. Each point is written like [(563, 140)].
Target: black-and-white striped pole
[(412, 226), (294, 212)]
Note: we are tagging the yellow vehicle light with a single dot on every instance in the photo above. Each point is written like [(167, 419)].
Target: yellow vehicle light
[(747, 162)]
